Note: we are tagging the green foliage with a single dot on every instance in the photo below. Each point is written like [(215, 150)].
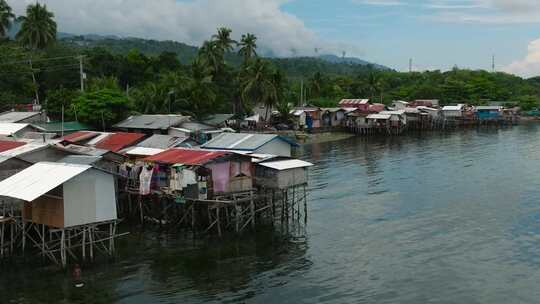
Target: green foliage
[(38, 28), (58, 98), (101, 108), (6, 18)]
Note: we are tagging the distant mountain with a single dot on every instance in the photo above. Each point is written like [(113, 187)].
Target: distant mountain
[(295, 67), (350, 60)]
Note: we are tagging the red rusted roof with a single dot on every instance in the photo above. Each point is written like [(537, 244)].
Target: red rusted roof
[(8, 145), (186, 156), (80, 136), (117, 141)]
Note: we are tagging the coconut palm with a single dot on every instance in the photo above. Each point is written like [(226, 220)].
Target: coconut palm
[(38, 29), (223, 39), (259, 84), (6, 17), (248, 46), (212, 55)]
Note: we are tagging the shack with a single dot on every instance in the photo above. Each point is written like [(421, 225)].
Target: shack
[(333, 117), (15, 130), (23, 117), (104, 140), (218, 171), (253, 143), (281, 174), (64, 198), (151, 124), (220, 120), (361, 104), (159, 141), (489, 112), (453, 111), (399, 105), (62, 128)]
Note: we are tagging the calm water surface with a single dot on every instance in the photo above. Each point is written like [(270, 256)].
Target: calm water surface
[(451, 218)]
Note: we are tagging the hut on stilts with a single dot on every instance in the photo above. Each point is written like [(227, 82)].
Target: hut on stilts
[(62, 210)]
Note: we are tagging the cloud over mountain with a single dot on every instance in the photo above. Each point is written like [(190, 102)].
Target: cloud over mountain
[(192, 22)]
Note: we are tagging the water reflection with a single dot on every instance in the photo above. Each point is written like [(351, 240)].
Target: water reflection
[(444, 218)]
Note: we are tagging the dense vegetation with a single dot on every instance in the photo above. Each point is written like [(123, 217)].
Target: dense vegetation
[(222, 76)]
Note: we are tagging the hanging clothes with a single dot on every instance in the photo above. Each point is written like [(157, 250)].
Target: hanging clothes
[(189, 178), (177, 176), (145, 180)]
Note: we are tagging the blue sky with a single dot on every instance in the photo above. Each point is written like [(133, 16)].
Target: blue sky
[(437, 34)]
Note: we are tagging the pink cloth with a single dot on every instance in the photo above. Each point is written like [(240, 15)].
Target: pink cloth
[(220, 176)]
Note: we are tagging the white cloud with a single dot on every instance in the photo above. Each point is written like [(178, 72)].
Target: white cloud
[(528, 66), (379, 2), (192, 22)]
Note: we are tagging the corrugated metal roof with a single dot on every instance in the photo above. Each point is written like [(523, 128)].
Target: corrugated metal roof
[(142, 151), (13, 116), (489, 108), (152, 122), (332, 110), (354, 101), (80, 159), (39, 179), (92, 151), (217, 119), (453, 108), (11, 128), (56, 127), (379, 116), (80, 136), (29, 147), (286, 164), (196, 126), (117, 141), (186, 156), (8, 145), (242, 141), (159, 141)]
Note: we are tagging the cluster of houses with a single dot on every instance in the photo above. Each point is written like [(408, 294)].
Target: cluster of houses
[(66, 177), (361, 116)]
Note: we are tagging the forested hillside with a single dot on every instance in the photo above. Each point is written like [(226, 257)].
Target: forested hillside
[(222, 76)]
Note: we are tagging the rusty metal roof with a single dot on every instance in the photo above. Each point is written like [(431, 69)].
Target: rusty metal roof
[(186, 156), (117, 141), (8, 145)]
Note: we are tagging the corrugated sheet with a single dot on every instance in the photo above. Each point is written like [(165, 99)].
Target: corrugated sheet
[(186, 156), (29, 147), (80, 159), (286, 164), (13, 116), (217, 119), (354, 101), (142, 151), (117, 141), (242, 141), (159, 141), (56, 127), (489, 108), (8, 145), (11, 128), (80, 136), (39, 179), (152, 122), (379, 116)]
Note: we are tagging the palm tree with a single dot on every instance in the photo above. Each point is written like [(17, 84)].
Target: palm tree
[(212, 55), (38, 29), (259, 84), (201, 92), (6, 17), (248, 46), (316, 84), (373, 84), (224, 40)]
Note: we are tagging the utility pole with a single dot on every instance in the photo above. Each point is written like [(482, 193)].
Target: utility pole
[(62, 120), (35, 82), (410, 65), (81, 71), (301, 92), (493, 63)]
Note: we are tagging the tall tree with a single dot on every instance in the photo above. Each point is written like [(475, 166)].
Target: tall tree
[(248, 47), (38, 29), (224, 40), (259, 84), (6, 17)]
